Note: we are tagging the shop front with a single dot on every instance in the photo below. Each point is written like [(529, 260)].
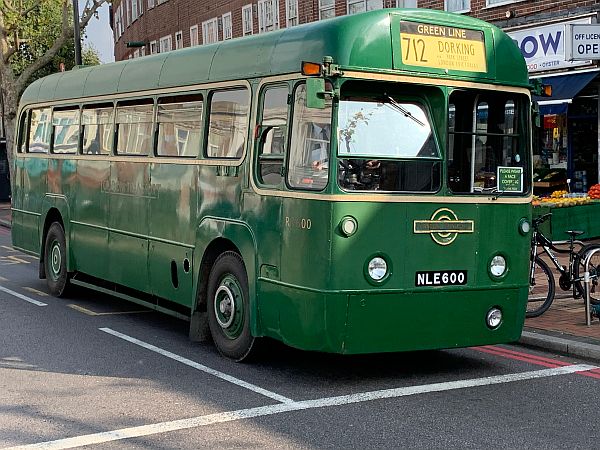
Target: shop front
[(566, 144)]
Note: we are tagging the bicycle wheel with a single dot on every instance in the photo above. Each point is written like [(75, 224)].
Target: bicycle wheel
[(594, 269), (541, 289)]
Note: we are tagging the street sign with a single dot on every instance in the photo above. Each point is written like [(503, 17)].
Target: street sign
[(582, 42)]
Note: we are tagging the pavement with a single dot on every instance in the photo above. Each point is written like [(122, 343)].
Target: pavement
[(561, 329)]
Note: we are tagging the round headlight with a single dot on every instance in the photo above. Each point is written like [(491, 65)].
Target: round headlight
[(498, 266), (348, 225), (493, 318), (524, 226), (377, 268)]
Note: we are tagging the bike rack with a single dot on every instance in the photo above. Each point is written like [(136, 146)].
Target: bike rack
[(587, 280)]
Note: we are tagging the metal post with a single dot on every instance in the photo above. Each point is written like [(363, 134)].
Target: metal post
[(587, 280), (77, 33)]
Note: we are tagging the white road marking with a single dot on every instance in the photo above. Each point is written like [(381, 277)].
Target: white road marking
[(164, 427), (202, 367), (22, 297)]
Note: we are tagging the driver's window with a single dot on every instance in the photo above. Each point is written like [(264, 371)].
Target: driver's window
[(310, 144), (273, 135)]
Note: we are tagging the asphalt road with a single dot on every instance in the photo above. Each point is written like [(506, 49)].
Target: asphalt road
[(95, 371)]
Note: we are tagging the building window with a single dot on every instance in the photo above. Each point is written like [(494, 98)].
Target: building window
[(291, 11), (194, 35), (161, 2), (150, 4), (134, 10), (247, 23), (166, 44), (227, 28), (128, 11), (153, 48), (407, 4), (143, 51), (268, 15), (356, 6), (136, 53), (458, 5), (326, 9), (210, 31), (499, 2), (179, 40)]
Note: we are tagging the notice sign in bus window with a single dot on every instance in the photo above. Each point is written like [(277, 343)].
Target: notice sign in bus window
[(510, 179), (442, 47)]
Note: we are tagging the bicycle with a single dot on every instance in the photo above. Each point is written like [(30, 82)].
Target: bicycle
[(542, 285)]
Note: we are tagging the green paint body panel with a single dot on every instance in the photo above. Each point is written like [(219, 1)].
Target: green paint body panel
[(148, 225), (362, 41)]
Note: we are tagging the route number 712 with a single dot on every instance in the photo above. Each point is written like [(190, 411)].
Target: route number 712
[(415, 50)]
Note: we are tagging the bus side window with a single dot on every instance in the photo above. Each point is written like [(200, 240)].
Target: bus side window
[(134, 122), (39, 131), (310, 144), (179, 121), (97, 121), (22, 137), (65, 134), (273, 135), (228, 123)]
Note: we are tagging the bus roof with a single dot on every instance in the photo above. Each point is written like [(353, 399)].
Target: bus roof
[(369, 41)]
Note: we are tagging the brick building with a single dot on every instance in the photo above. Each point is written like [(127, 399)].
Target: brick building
[(569, 138)]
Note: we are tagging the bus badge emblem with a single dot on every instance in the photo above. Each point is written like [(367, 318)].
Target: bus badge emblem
[(443, 226)]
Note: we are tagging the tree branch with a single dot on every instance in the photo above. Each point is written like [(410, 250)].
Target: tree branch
[(88, 13), (66, 33)]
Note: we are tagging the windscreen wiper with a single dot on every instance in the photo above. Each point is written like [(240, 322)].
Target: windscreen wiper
[(397, 106)]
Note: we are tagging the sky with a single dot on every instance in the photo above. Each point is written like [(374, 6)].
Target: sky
[(99, 33)]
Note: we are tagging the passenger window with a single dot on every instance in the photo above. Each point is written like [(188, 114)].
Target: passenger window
[(179, 126), (98, 134), (39, 131), (273, 135), (22, 140), (308, 166), (65, 131), (134, 125), (228, 125)]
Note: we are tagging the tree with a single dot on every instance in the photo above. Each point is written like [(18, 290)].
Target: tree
[(35, 37)]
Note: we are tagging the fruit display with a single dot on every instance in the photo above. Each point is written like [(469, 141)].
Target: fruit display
[(558, 194), (594, 191), (561, 199)]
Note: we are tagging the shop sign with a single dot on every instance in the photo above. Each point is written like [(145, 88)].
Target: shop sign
[(510, 179), (544, 46), (583, 42), (550, 121)]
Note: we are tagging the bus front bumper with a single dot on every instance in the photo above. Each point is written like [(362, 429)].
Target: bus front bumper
[(354, 323)]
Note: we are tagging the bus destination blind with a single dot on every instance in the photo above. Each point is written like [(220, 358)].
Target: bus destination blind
[(441, 47)]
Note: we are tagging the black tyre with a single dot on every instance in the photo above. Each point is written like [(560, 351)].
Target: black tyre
[(594, 269), (541, 289), (228, 308), (55, 261)]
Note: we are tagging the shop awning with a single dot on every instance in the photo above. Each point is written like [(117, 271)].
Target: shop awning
[(564, 88)]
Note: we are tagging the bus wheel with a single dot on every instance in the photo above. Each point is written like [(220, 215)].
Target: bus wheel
[(55, 260), (229, 307)]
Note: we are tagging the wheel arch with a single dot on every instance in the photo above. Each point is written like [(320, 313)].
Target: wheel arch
[(56, 211), (216, 236)]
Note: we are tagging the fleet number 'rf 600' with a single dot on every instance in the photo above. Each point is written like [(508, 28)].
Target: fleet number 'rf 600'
[(441, 278)]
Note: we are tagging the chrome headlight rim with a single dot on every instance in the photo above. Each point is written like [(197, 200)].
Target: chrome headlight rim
[(348, 226), (524, 226), (387, 274), (494, 318), (494, 273)]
